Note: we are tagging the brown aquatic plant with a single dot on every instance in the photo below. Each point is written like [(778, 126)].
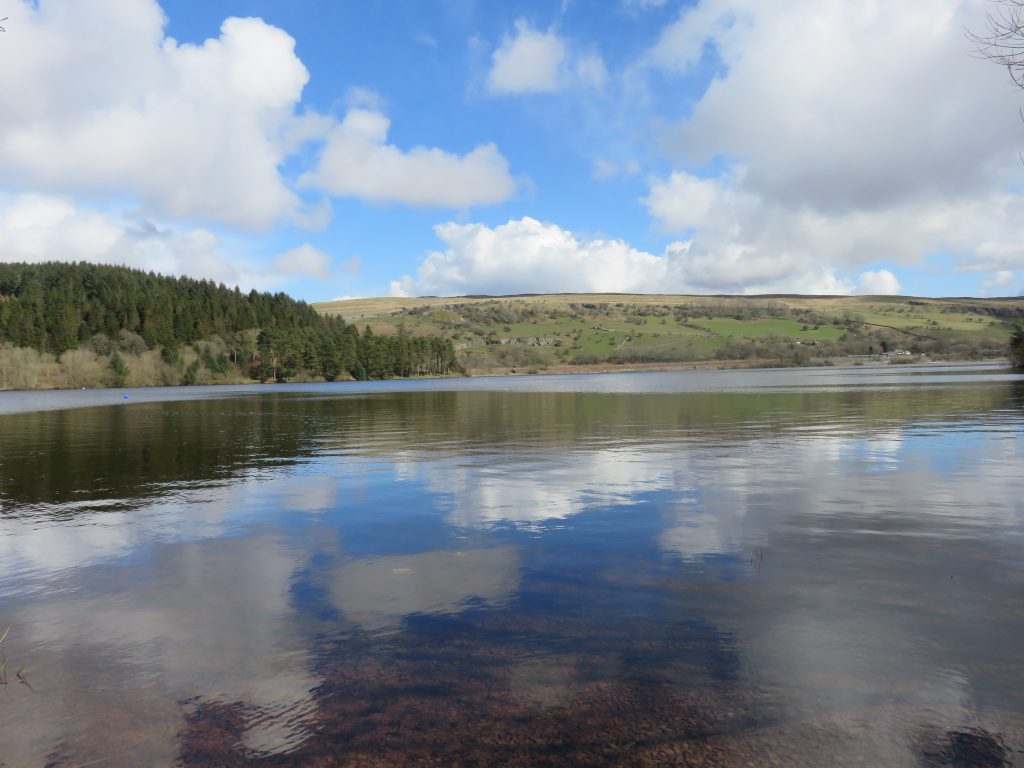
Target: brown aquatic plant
[(20, 674), (3, 661)]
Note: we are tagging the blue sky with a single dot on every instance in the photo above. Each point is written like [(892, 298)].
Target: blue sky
[(336, 149)]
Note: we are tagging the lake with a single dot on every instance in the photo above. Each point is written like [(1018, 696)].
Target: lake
[(791, 567)]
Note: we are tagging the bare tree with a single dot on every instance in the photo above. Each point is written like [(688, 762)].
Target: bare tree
[(1003, 42)]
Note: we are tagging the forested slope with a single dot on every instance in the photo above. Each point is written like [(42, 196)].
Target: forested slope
[(65, 324)]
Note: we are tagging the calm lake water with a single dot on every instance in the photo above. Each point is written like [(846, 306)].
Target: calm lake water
[(817, 567)]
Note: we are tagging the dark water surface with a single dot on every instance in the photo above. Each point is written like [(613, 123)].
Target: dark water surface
[(711, 568)]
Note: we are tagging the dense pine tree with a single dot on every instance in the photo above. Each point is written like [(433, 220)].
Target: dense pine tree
[(57, 307)]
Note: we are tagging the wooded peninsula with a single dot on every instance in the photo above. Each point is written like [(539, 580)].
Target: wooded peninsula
[(88, 325)]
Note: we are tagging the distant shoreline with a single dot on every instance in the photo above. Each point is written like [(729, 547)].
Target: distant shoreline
[(568, 370), (726, 365)]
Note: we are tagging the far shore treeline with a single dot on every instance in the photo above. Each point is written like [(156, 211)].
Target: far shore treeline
[(89, 325)]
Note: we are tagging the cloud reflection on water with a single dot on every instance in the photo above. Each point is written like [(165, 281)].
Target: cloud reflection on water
[(212, 618), (379, 593)]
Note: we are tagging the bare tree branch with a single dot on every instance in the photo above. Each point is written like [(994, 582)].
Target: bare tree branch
[(1003, 43)]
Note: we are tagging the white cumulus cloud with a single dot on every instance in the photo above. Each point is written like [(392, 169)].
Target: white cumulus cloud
[(844, 105), (532, 61), (1000, 279), (526, 255), (529, 256), (305, 261), (851, 132), (358, 162), (36, 228), (104, 108), (881, 282), (683, 201), (103, 103), (741, 238), (529, 61)]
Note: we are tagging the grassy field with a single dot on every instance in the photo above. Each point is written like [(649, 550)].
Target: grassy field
[(546, 332)]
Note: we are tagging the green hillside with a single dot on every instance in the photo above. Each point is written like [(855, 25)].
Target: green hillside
[(554, 332)]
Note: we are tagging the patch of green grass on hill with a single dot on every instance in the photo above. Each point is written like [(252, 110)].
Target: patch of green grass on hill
[(932, 317), (762, 328)]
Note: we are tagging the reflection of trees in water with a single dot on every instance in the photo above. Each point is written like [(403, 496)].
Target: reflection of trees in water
[(134, 451), (510, 421)]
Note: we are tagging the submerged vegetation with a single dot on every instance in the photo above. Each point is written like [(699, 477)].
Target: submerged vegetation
[(87, 325), (523, 333)]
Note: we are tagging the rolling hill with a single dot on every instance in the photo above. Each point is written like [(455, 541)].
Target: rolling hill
[(558, 332)]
